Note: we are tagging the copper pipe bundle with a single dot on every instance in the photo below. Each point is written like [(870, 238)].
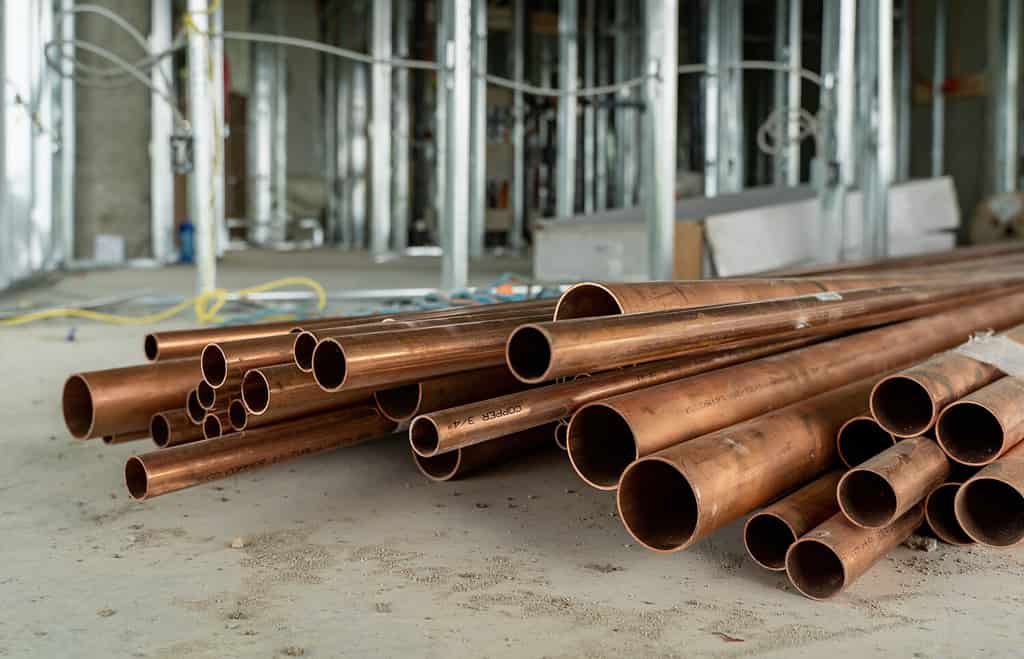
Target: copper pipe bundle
[(831, 557), (990, 505), (278, 393), (404, 402), (462, 462), (982, 426), (877, 492), (768, 534), (908, 403), (940, 515), (605, 437), (171, 469), (862, 438), (174, 427)]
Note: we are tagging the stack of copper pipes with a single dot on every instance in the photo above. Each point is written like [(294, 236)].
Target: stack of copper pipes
[(697, 403)]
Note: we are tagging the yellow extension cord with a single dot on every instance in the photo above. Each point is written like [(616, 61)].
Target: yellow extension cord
[(206, 306)]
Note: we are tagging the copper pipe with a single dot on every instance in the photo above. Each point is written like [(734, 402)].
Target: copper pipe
[(831, 557), (404, 402), (168, 470), (465, 461), (238, 416), (604, 437), (990, 506), (389, 359), (561, 434), (457, 427), (121, 438), (982, 426), (941, 516), (224, 364), (122, 400), (768, 534), (216, 423), (193, 408), (671, 499), (277, 393), (174, 427), (541, 352), (862, 438), (877, 492), (968, 254), (909, 402), (206, 395)]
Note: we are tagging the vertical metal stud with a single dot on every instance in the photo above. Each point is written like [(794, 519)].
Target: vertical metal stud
[(478, 133), (515, 237), (218, 93), (66, 206), (661, 87), (380, 129), (1006, 93), (456, 54), (201, 198), (280, 136), (938, 94), (589, 78), (794, 59), (712, 94), (565, 195), (604, 62), (358, 113), (401, 130), (625, 115), (902, 106), (878, 162)]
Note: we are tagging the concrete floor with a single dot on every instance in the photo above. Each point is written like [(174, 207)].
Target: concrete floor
[(354, 554)]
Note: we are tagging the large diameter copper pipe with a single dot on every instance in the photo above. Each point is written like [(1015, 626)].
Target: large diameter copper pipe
[(980, 427), (277, 393), (465, 425), (174, 427), (990, 505), (389, 359), (123, 400), (941, 515), (404, 402), (828, 559), (909, 402), (465, 461), (541, 352), (673, 498), (862, 438), (877, 492), (604, 437), (168, 470), (768, 534)]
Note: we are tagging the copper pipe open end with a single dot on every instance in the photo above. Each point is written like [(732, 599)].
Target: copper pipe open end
[(206, 395), (212, 427), (302, 351), (329, 365), (867, 499), (151, 347), (528, 354), (600, 444), (196, 412), (815, 569), (991, 511), (79, 414), (400, 403), (440, 467), (902, 406), (657, 505), (767, 538), (562, 435), (136, 478), (970, 433), (160, 430), (255, 392), (585, 300), (424, 437), (214, 365), (238, 417), (860, 439), (941, 516)]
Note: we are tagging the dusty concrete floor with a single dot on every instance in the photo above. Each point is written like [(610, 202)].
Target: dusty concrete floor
[(354, 554)]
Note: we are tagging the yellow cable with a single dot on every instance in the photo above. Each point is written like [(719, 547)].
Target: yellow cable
[(205, 306)]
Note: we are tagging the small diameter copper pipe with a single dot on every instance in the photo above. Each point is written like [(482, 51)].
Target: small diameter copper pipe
[(465, 461), (990, 506), (223, 364), (562, 434), (121, 438), (909, 402), (193, 408), (877, 492), (216, 423), (972, 253), (541, 352), (168, 470), (862, 438), (238, 416), (404, 402), (122, 400), (174, 427), (458, 427), (769, 533), (980, 427), (606, 436), (671, 499), (941, 515), (831, 557), (388, 359), (206, 395), (278, 393)]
